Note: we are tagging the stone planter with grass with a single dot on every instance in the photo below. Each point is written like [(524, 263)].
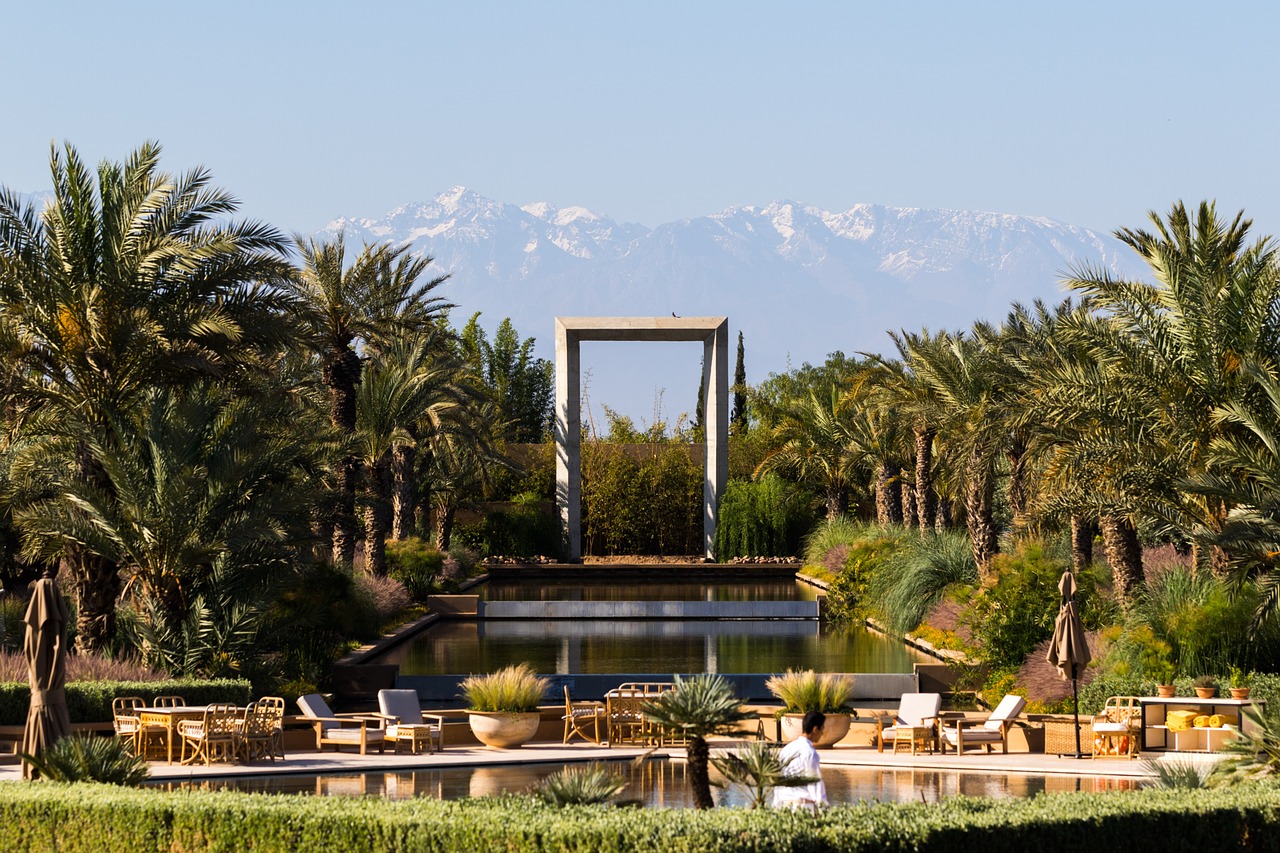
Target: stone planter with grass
[(502, 707)]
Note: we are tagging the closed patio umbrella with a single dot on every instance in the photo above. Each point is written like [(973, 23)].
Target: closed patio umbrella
[(46, 650), (1068, 650)]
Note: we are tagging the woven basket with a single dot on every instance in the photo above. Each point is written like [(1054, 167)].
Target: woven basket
[(1060, 736)]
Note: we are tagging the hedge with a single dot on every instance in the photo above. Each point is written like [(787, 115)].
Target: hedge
[(90, 701), (49, 816)]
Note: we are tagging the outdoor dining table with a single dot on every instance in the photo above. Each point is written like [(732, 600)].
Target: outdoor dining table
[(622, 707), (168, 719)]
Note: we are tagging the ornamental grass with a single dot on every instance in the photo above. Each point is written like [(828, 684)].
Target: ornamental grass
[(513, 689), (804, 690)]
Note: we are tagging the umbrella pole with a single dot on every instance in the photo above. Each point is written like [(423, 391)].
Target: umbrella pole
[(1075, 705)]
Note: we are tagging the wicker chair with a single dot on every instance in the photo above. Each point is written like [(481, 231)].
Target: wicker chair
[(216, 735), (1117, 731), (262, 729), (124, 719), (577, 715), (169, 702)]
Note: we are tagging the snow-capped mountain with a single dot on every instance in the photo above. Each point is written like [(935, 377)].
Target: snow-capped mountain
[(799, 281)]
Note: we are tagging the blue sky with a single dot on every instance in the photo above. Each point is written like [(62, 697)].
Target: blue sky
[(1091, 113)]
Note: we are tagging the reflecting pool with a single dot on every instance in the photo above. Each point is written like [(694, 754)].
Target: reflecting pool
[(659, 783)]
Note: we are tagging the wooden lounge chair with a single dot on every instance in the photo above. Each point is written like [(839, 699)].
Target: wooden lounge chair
[(407, 723), (215, 735), (577, 715), (994, 729), (915, 711), (362, 730)]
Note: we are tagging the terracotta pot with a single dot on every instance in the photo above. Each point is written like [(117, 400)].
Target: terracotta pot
[(1206, 692), (504, 729), (1165, 691), (833, 731), (1239, 692)]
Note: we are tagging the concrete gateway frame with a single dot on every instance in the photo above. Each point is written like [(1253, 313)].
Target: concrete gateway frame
[(570, 332)]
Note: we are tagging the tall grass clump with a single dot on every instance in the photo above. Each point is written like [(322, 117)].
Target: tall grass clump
[(841, 532), (1206, 626), (84, 667), (802, 691), (912, 578), (514, 689)]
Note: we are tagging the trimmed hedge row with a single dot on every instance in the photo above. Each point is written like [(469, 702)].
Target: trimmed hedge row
[(85, 817), (90, 701)]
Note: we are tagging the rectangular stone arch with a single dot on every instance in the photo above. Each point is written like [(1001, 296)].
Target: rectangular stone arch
[(570, 332)]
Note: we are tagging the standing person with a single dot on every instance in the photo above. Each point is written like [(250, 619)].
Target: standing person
[(800, 758)]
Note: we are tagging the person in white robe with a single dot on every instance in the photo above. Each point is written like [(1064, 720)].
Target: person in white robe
[(800, 758)]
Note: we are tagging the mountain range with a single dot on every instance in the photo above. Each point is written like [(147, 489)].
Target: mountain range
[(798, 281)]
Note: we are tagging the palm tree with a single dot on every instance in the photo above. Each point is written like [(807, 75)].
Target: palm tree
[(702, 706), (1177, 347), (811, 441), (342, 308), (413, 391), (208, 498), (127, 280)]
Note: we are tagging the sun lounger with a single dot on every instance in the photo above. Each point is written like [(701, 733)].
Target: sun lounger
[(360, 730), (915, 711), (994, 729)]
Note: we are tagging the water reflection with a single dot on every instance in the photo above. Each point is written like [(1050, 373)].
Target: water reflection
[(579, 590), (661, 783), (623, 646)]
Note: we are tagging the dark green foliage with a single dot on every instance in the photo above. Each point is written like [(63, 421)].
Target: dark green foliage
[(762, 518), (575, 786), (90, 759), (1010, 618), (527, 529), (90, 701), (83, 818), (641, 498), (415, 564), (908, 580), (738, 415), (522, 386)]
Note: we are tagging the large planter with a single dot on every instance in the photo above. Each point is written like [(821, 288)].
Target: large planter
[(833, 731), (504, 729)]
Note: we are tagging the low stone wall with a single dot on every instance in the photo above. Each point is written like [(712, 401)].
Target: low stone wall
[(649, 610)]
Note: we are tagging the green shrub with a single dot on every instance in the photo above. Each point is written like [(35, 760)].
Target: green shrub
[(90, 701), (577, 786), (526, 529), (12, 627), (102, 817), (90, 759), (415, 564), (761, 518), (1008, 619)]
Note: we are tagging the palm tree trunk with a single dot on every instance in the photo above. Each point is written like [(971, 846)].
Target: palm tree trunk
[(1124, 553), (1019, 492), (96, 584), (402, 467), (926, 498), (1082, 533), (888, 497), (699, 779), (377, 516), (908, 500), (835, 502), (444, 524), (95, 580), (341, 375), (978, 500), (943, 522)]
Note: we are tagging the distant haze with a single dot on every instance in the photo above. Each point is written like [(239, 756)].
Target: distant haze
[(798, 281)]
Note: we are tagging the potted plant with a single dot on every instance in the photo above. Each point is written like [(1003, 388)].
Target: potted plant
[(1206, 686), (1239, 685), (803, 691), (502, 707), (1165, 674)]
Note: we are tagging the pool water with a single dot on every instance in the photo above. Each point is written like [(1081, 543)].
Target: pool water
[(662, 783), (461, 647)]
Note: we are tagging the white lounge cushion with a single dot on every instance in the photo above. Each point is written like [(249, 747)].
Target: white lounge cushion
[(372, 735), (917, 709)]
